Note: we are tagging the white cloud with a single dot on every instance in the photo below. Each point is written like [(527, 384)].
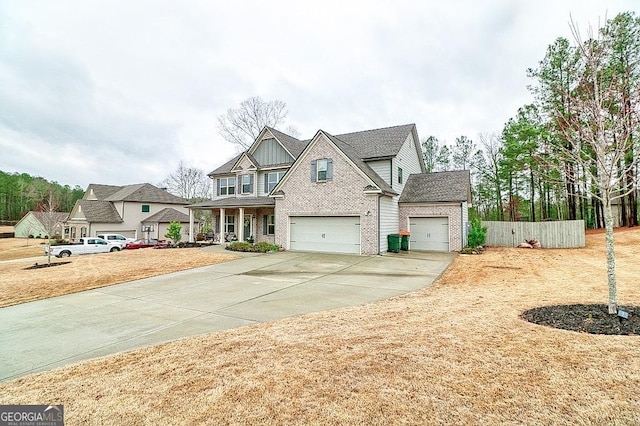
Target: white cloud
[(140, 83)]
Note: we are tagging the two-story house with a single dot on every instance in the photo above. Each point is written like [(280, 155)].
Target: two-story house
[(137, 211), (342, 193)]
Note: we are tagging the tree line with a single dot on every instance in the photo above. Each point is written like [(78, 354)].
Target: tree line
[(571, 153), (21, 193)]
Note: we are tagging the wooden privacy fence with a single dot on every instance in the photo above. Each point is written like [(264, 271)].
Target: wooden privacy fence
[(558, 234)]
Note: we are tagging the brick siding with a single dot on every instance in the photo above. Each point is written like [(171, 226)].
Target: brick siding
[(342, 196), (453, 212)]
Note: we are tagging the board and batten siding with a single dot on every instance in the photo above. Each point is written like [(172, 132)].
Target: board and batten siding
[(270, 152), (388, 219), (557, 234)]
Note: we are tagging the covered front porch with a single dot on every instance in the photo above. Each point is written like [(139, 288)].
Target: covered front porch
[(238, 219)]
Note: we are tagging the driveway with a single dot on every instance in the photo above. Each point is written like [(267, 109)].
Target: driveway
[(50, 333)]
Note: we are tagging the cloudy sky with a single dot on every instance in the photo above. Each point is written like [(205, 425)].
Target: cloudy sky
[(118, 92)]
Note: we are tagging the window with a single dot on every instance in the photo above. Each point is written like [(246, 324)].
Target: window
[(399, 175), (230, 224), (227, 186), (269, 224), (247, 184), (322, 170), (145, 208), (272, 180)]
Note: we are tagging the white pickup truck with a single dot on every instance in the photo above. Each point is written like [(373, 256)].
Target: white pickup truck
[(85, 245)]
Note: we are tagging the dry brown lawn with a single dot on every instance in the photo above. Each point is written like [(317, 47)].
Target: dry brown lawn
[(454, 353), (19, 248), (18, 285)]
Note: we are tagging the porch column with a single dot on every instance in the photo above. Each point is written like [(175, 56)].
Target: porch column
[(221, 226), (191, 238), (240, 225)]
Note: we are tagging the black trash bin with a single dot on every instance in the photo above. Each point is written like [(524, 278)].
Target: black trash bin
[(393, 243)]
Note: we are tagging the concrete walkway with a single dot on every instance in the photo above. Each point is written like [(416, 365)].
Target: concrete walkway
[(50, 333)]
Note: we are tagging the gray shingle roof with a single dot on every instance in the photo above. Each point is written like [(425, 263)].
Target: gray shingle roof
[(378, 143), (353, 156), (437, 187), (101, 192), (98, 211), (167, 215), (145, 193), (56, 217), (365, 145), (226, 167), (233, 202), (293, 145)]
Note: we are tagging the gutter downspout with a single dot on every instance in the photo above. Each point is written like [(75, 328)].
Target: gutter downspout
[(379, 236)]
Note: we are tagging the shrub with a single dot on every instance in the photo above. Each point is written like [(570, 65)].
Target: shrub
[(174, 231), (261, 247), (477, 234), (240, 246), (264, 247)]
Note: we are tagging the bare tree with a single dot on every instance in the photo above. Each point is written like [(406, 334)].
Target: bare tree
[(50, 219), (597, 129), (241, 126), (188, 182)]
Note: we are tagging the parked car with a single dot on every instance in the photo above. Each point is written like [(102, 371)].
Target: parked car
[(117, 239), (85, 245), (147, 243)]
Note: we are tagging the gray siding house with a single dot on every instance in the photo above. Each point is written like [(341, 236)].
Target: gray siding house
[(338, 193)]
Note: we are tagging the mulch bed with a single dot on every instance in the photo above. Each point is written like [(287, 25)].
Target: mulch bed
[(46, 265), (593, 319)]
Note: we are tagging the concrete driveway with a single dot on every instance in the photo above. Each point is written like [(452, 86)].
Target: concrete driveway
[(63, 330)]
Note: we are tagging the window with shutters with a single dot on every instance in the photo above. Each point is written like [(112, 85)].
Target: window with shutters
[(269, 224), (272, 180), (322, 170)]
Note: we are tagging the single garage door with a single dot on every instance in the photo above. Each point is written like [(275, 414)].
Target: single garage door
[(332, 234), (429, 233)]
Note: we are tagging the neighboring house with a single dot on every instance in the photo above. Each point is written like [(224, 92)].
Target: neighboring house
[(156, 225), (37, 224), (340, 193), (131, 210)]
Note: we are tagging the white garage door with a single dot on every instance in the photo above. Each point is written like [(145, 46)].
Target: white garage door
[(332, 234), (429, 233)]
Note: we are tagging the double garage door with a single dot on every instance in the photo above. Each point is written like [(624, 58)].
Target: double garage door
[(429, 233), (331, 234)]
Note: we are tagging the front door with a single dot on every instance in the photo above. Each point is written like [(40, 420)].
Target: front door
[(247, 227)]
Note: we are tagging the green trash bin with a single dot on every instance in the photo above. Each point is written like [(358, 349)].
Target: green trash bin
[(404, 244), (393, 243)]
